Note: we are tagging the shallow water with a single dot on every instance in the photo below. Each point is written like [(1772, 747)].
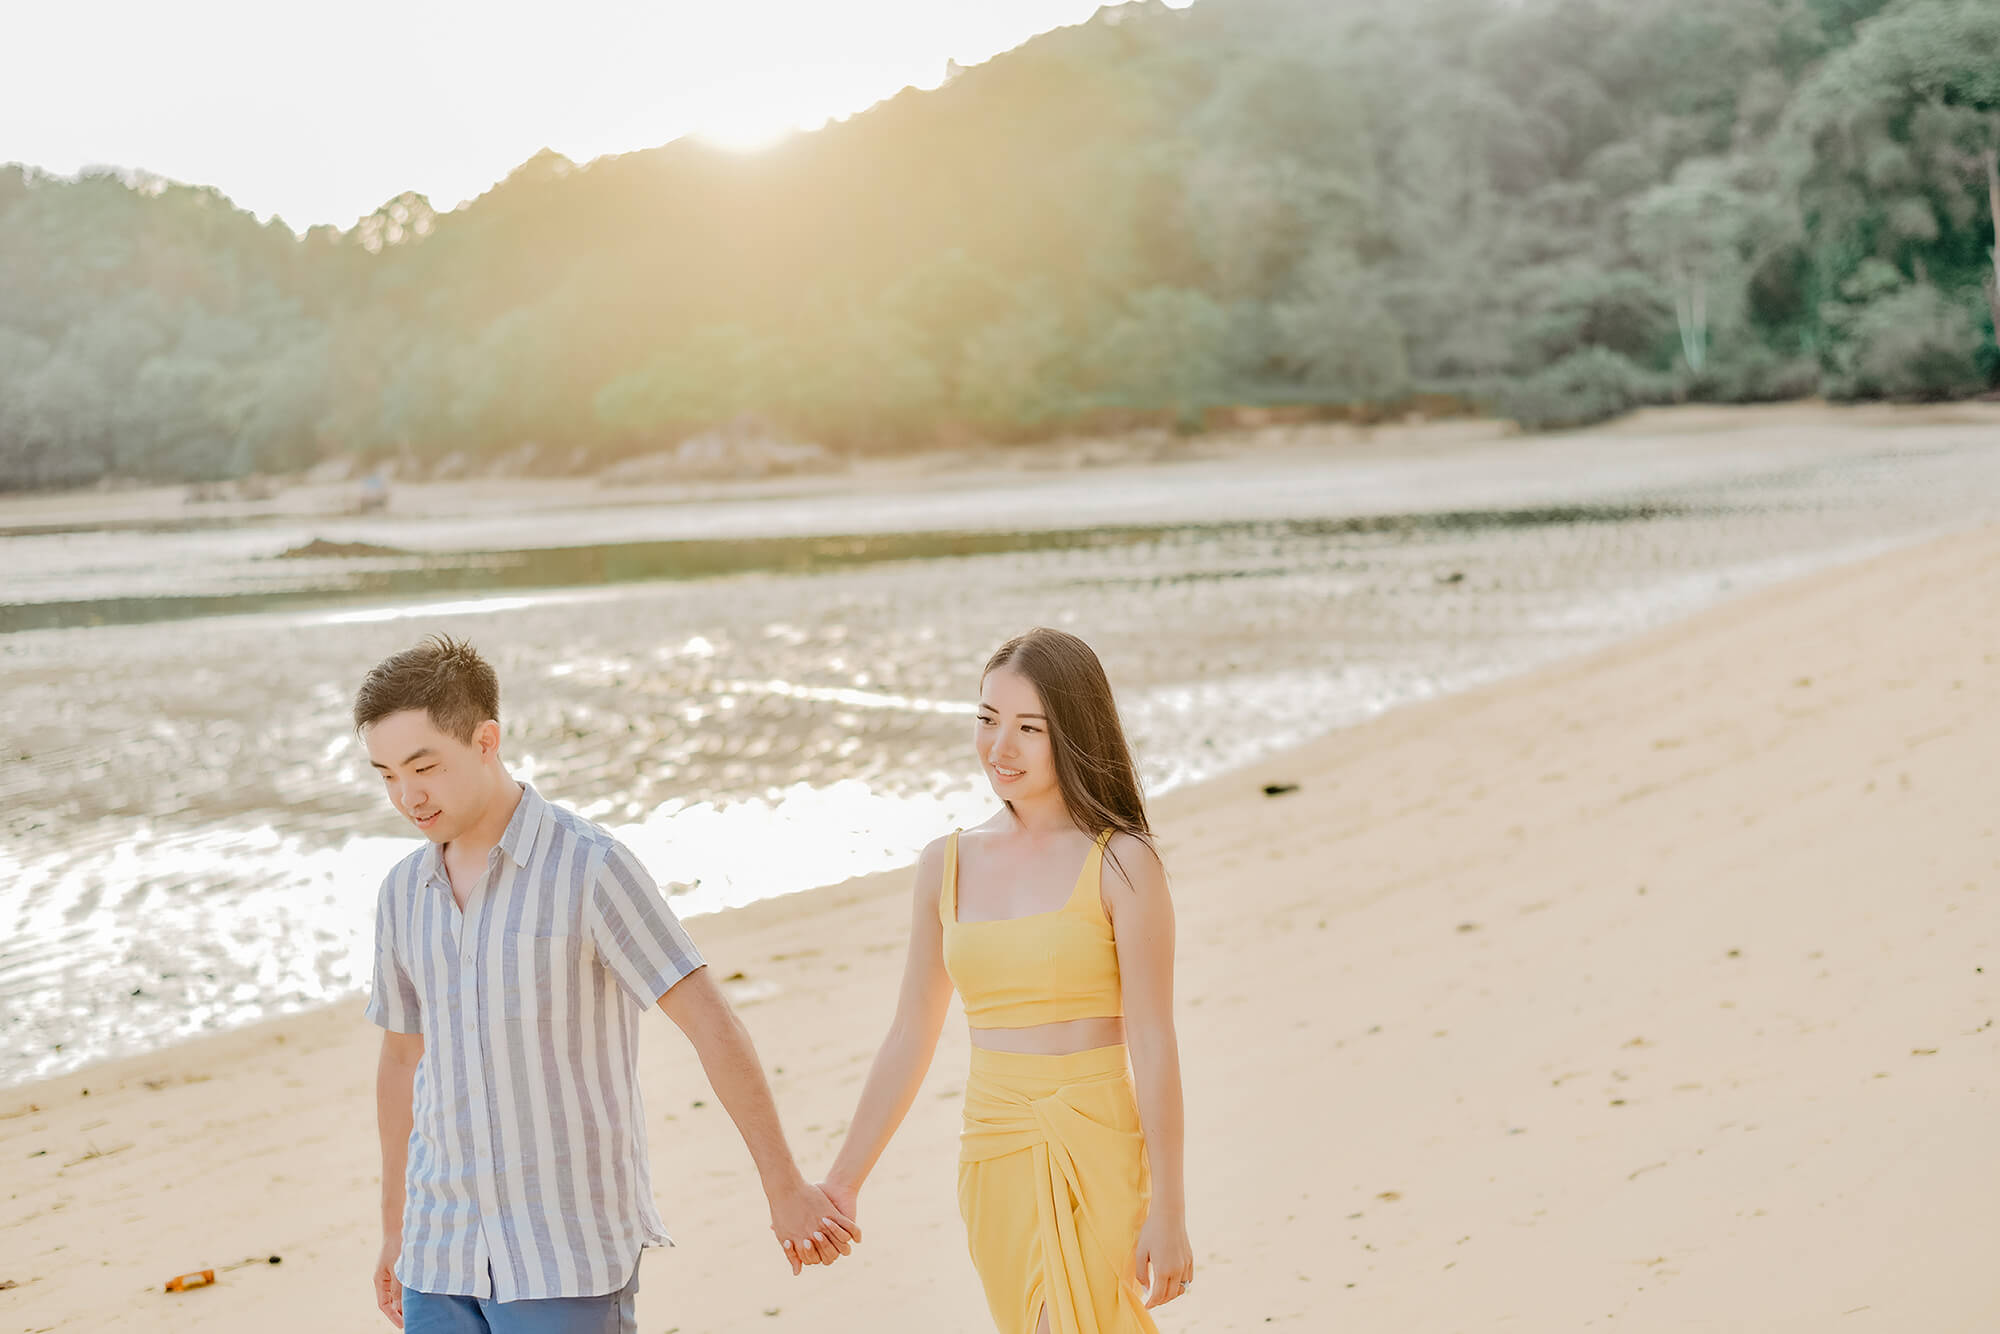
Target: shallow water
[(191, 839)]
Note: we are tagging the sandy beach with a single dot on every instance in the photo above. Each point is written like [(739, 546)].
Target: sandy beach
[(1641, 992), (720, 713), (1468, 460)]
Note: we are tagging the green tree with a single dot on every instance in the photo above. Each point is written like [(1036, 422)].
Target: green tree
[(1014, 372), (1165, 350), (1338, 334), (1910, 342), (1694, 229), (1900, 152), (712, 375), (1624, 310)]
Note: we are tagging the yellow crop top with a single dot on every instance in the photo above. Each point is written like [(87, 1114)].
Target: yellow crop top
[(1045, 968)]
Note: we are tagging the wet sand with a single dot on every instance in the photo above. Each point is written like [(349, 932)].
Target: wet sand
[(188, 844), (189, 841), (1651, 990), (1468, 462)]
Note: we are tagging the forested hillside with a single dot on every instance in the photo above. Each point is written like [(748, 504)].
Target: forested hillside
[(1555, 209)]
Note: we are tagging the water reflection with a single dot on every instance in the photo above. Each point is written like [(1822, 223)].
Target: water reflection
[(190, 839), (159, 591)]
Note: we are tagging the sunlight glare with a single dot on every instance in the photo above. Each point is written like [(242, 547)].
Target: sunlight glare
[(745, 137), (754, 127)]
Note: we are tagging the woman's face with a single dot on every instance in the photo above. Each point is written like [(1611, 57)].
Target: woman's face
[(1011, 735)]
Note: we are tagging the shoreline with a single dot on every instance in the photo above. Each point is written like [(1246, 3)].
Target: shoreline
[(300, 499), (1652, 984), (157, 1063), (143, 507)]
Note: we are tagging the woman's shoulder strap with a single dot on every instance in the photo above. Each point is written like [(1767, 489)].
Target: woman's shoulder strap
[(948, 890), (1089, 891)]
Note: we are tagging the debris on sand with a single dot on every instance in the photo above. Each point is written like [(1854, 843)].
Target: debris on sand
[(320, 548)]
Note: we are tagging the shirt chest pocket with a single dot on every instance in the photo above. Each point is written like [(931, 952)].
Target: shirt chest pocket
[(539, 977)]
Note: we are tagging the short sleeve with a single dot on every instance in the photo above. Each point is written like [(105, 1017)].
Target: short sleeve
[(635, 932), (392, 997)]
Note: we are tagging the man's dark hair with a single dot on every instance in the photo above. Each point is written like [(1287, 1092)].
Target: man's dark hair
[(444, 677)]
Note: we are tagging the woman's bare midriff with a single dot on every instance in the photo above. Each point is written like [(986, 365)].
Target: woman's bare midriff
[(1064, 1039)]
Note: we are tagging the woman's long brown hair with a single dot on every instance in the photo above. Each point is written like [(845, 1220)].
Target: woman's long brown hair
[(1094, 769)]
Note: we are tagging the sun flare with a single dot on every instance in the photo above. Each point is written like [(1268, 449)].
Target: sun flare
[(752, 128), (747, 137)]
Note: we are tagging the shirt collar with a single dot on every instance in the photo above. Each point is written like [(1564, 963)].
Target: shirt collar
[(524, 831), (433, 863)]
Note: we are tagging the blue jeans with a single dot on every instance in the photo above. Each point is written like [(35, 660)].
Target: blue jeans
[(439, 1313)]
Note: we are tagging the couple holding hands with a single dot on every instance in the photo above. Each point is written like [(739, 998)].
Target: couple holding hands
[(516, 952)]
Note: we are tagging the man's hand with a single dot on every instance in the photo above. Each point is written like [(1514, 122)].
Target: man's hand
[(388, 1292), (809, 1228)]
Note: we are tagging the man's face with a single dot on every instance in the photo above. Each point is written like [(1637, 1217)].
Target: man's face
[(437, 782)]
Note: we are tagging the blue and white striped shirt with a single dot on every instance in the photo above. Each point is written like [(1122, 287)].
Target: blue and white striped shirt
[(527, 1160)]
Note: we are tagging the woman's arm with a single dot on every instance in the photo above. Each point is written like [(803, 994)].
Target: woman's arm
[(1142, 918), (905, 1054)]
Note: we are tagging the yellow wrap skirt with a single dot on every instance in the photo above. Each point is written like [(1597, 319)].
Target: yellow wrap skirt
[(1053, 1186)]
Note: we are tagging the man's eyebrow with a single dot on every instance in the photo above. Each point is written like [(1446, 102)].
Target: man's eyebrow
[(411, 758)]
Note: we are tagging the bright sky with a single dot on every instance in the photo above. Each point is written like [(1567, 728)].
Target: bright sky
[(319, 113)]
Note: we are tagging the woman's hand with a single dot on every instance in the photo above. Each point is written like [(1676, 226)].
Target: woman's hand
[(1164, 1260), (843, 1197)]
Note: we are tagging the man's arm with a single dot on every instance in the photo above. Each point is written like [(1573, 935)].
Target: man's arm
[(809, 1228), (395, 1078)]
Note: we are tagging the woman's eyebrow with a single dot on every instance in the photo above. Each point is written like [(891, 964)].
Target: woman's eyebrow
[(990, 709)]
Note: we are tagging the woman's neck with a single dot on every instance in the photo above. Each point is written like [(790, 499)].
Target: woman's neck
[(1042, 815)]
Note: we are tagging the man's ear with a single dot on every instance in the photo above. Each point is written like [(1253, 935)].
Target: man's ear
[(488, 739)]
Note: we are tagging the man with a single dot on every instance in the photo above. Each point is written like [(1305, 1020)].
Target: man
[(514, 955)]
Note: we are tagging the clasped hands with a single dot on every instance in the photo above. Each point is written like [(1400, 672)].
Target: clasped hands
[(814, 1224)]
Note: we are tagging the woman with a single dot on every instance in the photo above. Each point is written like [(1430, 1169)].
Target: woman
[(1069, 1172)]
